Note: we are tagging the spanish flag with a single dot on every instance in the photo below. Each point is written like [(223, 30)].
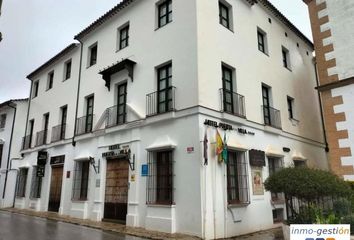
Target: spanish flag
[(219, 146)]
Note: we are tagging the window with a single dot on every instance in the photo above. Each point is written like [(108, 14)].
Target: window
[(93, 55), (164, 89), (64, 113), (36, 185), (50, 80), (1, 148), (89, 114), (237, 178), (164, 13), (262, 41), (266, 105), (290, 102), (35, 89), (121, 103), (286, 57), (300, 163), (81, 176), (124, 37), (160, 178), (275, 164), (224, 15), (22, 181), (67, 70), (2, 120), (227, 89)]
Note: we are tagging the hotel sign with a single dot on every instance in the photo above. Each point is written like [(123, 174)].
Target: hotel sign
[(226, 127)]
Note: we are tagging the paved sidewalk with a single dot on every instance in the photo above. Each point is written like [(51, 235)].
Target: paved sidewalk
[(272, 234)]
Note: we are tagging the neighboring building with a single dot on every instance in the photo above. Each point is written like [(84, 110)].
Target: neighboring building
[(12, 120), (120, 136), (333, 33)]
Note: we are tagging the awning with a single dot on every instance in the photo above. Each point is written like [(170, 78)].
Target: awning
[(298, 156), (117, 67), (272, 151), (234, 144), (83, 159), (161, 143)]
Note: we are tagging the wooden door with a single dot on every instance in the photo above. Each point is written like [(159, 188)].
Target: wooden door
[(116, 194), (55, 189)]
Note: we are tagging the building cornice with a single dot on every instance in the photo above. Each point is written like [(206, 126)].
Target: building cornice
[(52, 60)]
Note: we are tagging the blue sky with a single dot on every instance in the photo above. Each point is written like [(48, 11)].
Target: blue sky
[(35, 30)]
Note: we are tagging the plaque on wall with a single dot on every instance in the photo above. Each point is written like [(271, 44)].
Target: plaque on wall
[(257, 158), (57, 160), (257, 181)]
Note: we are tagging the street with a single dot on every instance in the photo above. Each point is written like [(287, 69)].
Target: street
[(21, 227)]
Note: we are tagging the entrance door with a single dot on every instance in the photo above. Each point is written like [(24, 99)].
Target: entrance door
[(116, 196), (55, 188)]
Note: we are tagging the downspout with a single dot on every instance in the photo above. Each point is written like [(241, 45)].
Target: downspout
[(28, 108), (321, 107), (73, 142), (9, 151)]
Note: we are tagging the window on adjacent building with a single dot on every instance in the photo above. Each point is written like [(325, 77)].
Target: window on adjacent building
[(290, 102), (164, 13), (160, 178), (36, 185), (81, 177), (35, 89), (286, 58), (2, 120), (1, 148), (22, 181), (67, 70), (92, 55), (237, 178), (262, 41), (225, 14), (164, 89), (50, 80), (124, 37)]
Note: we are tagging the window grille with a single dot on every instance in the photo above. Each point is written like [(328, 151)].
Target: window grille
[(36, 185), (160, 178), (22, 180), (237, 178), (81, 177)]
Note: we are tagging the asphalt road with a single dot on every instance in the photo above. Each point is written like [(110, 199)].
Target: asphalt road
[(21, 227)]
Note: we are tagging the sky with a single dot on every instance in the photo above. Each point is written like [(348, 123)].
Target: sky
[(36, 30)]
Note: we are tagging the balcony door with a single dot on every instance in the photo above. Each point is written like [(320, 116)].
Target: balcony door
[(89, 114), (227, 90), (64, 113), (266, 105), (121, 103), (46, 125), (164, 89)]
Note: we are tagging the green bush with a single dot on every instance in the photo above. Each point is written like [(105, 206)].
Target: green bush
[(306, 183)]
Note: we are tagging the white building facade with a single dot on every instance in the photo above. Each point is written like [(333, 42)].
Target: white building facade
[(12, 119), (150, 85)]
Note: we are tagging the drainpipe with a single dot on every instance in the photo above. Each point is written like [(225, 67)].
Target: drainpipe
[(9, 151), (321, 106), (28, 108), (73, 142)]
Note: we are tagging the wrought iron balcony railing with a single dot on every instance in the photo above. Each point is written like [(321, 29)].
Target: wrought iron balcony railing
[(116, 115), (84, 124), (26, 142), (271, 117), (232, 103), (58, 133), (41, 138), (160, 102)]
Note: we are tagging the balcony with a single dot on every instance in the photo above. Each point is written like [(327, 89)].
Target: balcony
[(116, 115), (58, 133), (232, 103), (271, 117), (160, 102), (84, 125), (26, 142), (41, 138)]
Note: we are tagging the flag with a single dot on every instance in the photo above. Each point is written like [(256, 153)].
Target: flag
[(219, 146), (224, 150), (205, 142)]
